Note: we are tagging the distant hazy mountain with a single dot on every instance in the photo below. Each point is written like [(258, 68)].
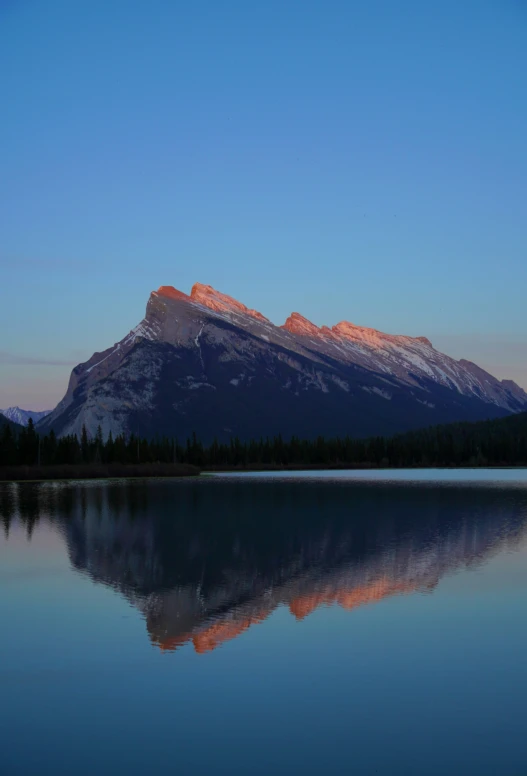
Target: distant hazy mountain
[(207, 363), (21, 417)]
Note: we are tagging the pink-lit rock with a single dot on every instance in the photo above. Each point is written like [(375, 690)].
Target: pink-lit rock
[(215, 300)]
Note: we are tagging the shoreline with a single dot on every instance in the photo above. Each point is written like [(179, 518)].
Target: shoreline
[(69, 472), (349, 467), (96, 472)]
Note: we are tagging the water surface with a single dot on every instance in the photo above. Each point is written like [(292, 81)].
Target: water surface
[(345, 624), (489, 477)]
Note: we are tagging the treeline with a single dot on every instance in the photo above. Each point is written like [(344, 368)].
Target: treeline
[(496, 442)]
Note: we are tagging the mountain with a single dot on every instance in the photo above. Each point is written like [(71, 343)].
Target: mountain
[(21, 417), (9, 423), (208, 364)]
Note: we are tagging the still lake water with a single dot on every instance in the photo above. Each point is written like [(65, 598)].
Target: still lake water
[(366, 623)]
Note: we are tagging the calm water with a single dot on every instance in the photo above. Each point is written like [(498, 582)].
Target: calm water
[(346, 624)]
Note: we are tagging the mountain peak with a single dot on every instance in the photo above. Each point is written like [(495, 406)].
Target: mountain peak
[(351, 331), (172, 293), (373, 337), (20, 416), (425, 341), (215, 300), (297, 324)]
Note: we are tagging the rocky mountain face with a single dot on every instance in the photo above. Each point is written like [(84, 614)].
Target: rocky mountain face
[(20, 416), (208, 364)]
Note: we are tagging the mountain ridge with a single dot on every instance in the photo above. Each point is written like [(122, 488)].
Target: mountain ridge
[(205, 362), (21, 417)]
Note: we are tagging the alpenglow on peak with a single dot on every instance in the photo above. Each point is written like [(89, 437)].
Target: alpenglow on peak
[(204, 362)]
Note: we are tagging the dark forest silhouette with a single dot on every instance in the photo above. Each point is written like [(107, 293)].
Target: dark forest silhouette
[(493, 442)]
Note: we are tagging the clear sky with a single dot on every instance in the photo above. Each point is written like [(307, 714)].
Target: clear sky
[(358, 160)]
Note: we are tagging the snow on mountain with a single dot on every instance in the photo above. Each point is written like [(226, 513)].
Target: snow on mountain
[(21, 417), (205, 362)]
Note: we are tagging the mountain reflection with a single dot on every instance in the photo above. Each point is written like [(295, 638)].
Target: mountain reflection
[(204, 561)]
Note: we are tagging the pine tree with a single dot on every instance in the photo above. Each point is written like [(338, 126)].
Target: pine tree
[(84, 444), (99, 444)]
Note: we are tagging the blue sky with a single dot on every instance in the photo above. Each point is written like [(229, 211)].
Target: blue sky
[(349, 160)]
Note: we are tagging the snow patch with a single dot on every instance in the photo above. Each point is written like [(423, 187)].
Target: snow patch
[(103, 359), (377, 391), (426, 403), (190, 383), (341, 383)]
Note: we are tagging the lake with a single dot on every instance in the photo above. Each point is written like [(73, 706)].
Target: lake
[(347, 622)]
